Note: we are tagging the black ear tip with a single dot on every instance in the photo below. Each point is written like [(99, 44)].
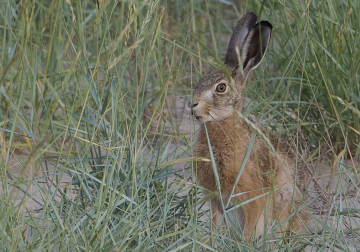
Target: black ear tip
[(250, 14), (266, 24)]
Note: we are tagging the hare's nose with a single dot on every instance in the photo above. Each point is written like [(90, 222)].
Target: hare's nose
[(192, 108)]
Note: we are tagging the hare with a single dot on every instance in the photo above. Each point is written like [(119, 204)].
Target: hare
[(270, 179)]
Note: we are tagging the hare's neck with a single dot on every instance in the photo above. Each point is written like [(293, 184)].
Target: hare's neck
[(224, 131)]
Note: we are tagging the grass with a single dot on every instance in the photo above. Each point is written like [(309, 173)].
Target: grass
[(88, 95)]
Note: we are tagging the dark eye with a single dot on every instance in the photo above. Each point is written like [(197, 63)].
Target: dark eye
[(221, 88)]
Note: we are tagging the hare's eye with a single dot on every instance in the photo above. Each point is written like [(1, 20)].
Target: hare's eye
[(221, 88)]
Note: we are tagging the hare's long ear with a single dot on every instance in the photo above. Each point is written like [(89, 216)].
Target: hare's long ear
[(242, 29), (255, 46)]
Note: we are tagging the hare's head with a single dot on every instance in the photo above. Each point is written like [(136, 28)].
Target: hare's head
[(217, 95)]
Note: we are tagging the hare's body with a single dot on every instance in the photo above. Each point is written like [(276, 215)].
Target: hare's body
[(262, 170), (217, 99)]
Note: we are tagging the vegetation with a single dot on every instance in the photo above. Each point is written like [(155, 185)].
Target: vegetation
[(92, 127)]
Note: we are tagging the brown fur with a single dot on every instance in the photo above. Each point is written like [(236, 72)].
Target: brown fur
[(229, 148), (230, 137)]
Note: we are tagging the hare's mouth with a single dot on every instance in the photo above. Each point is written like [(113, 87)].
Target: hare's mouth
[(198, 118), (202, 119)]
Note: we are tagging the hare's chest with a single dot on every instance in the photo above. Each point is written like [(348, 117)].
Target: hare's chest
[(227, 157)]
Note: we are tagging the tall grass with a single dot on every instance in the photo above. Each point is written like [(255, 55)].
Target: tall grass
[(88, 95)]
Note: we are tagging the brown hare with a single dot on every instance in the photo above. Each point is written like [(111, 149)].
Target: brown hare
[(270, 179)]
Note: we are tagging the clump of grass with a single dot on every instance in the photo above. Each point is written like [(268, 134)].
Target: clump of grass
[(87, 116), (315, 61)]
